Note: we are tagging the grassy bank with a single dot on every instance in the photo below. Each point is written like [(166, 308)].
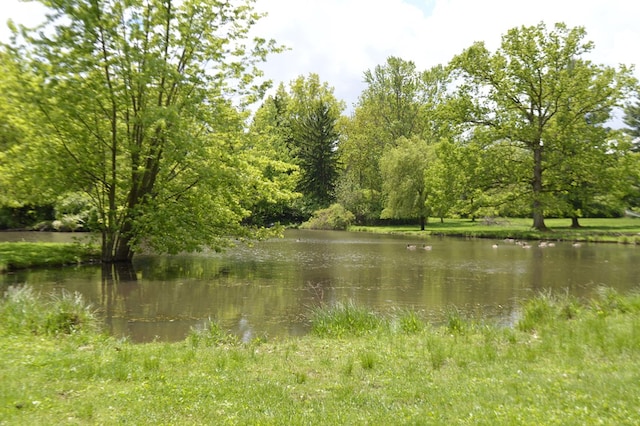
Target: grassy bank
[(564, 362), (18, 255), (618, 230)]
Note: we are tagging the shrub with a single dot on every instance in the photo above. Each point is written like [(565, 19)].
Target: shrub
[(75, 211), (335, 217)]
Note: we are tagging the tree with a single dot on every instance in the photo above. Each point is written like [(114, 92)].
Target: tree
[(136, 96), (399, 102), (533, 86), (316, 138), (632, 120), (404, 169), (302, 124)]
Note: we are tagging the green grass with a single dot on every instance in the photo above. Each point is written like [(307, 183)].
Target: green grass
[(18, 255), (565, 362), (618, 230)]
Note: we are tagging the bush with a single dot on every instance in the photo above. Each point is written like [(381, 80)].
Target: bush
[(74, 211), (335, 217)]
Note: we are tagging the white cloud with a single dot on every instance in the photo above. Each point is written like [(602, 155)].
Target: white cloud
[(340, 39)]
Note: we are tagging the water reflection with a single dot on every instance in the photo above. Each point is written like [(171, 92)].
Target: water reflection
[(271, 287)]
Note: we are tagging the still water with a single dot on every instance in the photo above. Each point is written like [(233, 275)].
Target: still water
[(270, 288)]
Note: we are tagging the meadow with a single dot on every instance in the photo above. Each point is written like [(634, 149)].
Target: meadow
[(564, 361)]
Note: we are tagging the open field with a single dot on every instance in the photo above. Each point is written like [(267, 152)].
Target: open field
[(618, 230), (564, 362)]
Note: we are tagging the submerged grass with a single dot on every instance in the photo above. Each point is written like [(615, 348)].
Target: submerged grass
[(565, 362), (18, 255)]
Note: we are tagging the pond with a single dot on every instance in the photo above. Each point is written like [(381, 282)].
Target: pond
[(270, 288)]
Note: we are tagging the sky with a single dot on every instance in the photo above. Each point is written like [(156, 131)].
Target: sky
[(340, 39)]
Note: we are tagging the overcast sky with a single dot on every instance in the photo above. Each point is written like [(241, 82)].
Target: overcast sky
[(340, 39)]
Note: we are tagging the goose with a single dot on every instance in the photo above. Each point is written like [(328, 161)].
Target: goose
[(411, 246), (426, 247)]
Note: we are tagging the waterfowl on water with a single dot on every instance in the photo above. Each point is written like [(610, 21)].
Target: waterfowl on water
[(494, 246), (576, 244), (426, 247), (411, 246)]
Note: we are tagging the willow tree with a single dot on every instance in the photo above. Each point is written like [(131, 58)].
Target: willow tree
[(142, 100), (399, 101), (404, 171), (534, 87)]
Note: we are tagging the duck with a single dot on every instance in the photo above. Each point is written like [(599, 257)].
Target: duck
[(576, 244), (494, 246), (426, 247), (411, 247)]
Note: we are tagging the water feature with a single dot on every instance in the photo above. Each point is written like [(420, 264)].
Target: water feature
[(271, 287)]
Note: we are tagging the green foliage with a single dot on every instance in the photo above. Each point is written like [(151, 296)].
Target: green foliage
[(23, 311), (24, 217), (133, 102), (400, 102), (344, 319), (632, 120), (335, 217), (403, 169), (300, 124), (75, 211), (538, 95)]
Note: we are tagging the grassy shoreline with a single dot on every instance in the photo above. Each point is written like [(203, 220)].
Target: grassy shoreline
[(618, 230), (564, 362), (21, 255)]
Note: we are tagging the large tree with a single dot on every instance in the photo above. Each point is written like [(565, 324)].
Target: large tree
[(399, 102), (137, 97), (536, 85), (404, 169), (301, 122), (632, 120)]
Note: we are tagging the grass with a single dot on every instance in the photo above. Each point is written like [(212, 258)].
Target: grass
[(618, 230), (564, 362), (19, 255)]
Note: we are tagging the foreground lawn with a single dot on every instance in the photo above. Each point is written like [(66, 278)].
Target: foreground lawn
[(619, 230), (564, 362)]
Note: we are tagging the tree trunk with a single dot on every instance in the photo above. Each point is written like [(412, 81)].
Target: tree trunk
[(538, 208), (116, 246), (422, 222), (574, 222)]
